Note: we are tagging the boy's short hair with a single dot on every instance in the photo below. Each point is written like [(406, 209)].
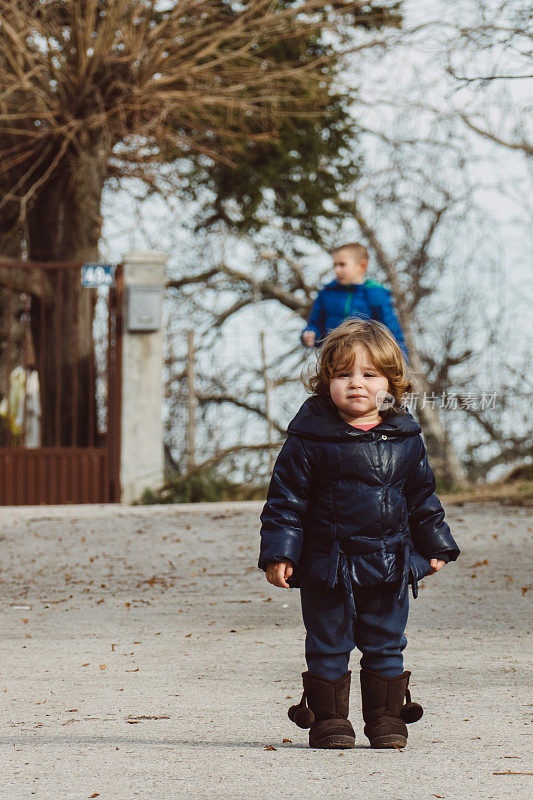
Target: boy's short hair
[(338, 353), (358, 250)]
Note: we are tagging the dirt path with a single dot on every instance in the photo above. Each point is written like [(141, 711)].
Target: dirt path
[(145, 656)]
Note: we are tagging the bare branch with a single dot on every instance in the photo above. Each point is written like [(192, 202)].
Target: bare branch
[(223, 454), (261, 289), (521, 145), (204, 398)]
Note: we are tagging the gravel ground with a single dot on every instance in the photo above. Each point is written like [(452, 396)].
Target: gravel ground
[(145, 656)]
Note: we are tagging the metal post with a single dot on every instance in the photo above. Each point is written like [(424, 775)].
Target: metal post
[(268, 387), (191, 403)]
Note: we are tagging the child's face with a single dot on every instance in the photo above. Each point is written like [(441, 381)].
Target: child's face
[(348, 269), (354, 391)]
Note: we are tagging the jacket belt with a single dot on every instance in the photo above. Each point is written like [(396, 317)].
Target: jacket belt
[(337, 558), (339, 567), (404, 583)]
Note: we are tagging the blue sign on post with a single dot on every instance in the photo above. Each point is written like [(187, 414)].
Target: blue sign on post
[(94, 275)]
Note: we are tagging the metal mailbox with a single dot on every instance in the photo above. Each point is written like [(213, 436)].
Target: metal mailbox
[(143, 308)]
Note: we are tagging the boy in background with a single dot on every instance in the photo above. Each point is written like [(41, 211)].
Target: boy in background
[(350, 295)]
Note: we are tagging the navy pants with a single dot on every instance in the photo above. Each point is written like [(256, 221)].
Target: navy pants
[(378, 631)]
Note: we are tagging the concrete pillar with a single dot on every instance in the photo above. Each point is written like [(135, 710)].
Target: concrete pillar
[(142, 458)]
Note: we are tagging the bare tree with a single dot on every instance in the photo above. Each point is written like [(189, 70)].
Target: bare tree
[(486, 47), (490, 53)]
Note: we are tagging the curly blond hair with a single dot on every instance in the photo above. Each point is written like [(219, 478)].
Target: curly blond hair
[(338, 354)]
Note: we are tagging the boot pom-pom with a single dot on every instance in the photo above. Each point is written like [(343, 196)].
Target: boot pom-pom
[(411, 712), (301, 716)]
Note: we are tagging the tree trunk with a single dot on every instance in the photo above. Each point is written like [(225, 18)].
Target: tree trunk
[(191, 403), (440, 449), (64, 225)]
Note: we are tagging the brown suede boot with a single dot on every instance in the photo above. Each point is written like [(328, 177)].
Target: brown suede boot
[(327, 715), (384, 711)]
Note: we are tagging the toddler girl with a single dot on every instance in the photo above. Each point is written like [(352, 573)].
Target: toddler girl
[(352, 518)]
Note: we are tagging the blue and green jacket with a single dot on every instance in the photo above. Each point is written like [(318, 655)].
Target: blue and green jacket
[(369, 300)]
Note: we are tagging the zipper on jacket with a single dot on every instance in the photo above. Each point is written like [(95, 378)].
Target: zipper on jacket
[(348, 304)]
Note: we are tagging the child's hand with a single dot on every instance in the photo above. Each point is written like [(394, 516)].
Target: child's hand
[(308, 338), (277, 573), (436, 564)]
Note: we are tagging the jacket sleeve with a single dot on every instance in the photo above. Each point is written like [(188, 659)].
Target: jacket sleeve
[(287, 500), (388, 317), (317, 320), (429, 532)]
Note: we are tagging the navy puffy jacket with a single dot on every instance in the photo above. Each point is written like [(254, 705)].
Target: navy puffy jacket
[(354, 506)]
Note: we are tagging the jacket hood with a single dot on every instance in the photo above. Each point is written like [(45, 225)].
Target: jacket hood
[(318, 419)]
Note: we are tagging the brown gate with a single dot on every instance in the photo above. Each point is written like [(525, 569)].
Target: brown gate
[(60, 385)]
